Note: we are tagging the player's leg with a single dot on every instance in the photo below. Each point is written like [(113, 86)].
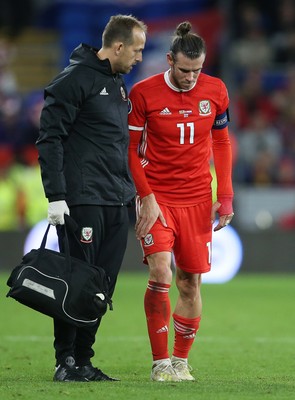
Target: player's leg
[(158, 310), (157, 303), (157, 247), (186, 318), (192, 252)]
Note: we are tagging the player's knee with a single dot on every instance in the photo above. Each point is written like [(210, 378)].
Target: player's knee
[(161, 273), (188, 284), (159, 266)]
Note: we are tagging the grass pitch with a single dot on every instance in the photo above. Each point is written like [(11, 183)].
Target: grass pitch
[(245, 348)]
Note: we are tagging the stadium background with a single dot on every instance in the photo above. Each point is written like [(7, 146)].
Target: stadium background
[(250, 46)]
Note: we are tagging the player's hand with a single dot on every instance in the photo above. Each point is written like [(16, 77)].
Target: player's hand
[(148, 215), (56, 212), (224, 220)]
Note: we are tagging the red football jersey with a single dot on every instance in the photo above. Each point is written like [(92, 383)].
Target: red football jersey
[(170, 129)]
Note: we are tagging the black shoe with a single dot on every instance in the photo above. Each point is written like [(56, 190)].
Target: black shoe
[(94, 374), (68, 372)]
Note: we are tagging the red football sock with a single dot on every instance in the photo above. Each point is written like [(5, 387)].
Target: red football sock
[(157, 310), (185, 331)]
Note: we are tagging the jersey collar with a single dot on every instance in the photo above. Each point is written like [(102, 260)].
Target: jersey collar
[(176, 89)]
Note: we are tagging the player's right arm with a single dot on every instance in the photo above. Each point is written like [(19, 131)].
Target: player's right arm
[(149, 211)]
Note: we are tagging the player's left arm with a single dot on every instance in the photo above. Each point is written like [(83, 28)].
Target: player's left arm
[(222, 154)]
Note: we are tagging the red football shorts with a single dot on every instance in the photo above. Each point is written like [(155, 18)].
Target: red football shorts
[(188, 236)]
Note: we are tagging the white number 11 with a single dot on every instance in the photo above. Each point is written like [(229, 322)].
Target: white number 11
[(191, 127)]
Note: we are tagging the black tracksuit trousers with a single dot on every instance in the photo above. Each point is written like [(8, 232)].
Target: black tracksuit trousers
[(104, 242)]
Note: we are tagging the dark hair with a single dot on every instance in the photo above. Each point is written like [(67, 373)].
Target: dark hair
[(188, 43), (120, 27)]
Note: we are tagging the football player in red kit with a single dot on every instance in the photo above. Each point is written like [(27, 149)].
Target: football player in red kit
[(177, 119)]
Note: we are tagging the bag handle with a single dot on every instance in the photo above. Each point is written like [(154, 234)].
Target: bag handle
[(70, 227), (44, 240), (66, 252)]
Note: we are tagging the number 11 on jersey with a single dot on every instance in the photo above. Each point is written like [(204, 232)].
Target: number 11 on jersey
[(183, 128)]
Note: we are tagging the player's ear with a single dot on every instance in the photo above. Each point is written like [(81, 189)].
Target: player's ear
[(169, 59)]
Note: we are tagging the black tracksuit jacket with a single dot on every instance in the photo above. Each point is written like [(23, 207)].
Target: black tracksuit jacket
[(84, 137)]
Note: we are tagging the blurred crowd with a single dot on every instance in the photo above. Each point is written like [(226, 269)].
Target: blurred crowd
[(20, 183), (259, 59)]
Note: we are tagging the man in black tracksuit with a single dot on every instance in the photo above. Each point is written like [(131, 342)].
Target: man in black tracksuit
[(83, 147)]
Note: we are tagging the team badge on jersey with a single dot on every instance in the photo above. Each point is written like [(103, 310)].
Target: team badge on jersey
[(148, 240), (204, 107), (86, 234), (123, 93)]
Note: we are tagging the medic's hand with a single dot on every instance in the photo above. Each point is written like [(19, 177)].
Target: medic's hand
[(56, 212)]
